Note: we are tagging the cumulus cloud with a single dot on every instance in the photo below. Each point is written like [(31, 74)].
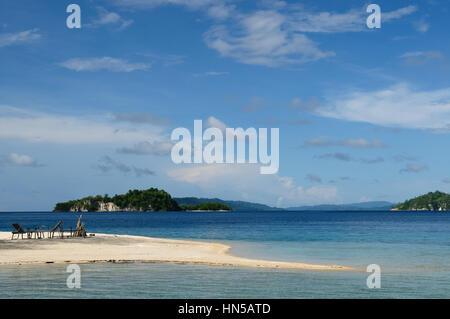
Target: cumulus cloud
[(397, 106), (263, 38), (276, 36), (31, 126), (8, 39), (214, 122), (269, 189), (106, 17), (107, 164), (221, 11), (272, 35), (103, 64), (15, 159)]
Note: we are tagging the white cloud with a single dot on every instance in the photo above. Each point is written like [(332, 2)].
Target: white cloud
[(15, 159), (399, 13), (332, 22), (269, 189), (7, 39), (220, 11), (397, 106), (328, 22), (314, 195), (426, 54), (16, 123), (271, 36), (214, 122), (106, 17), (422, 26), (263, 38), (104, 63)]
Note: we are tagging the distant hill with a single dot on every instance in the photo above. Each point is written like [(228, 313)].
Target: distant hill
[(436, 201), (249, 206), (234, 204), (376, 205)]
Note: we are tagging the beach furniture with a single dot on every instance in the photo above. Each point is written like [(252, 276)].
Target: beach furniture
[(51, 232), (38, 232), (62, 231), (19, 231)]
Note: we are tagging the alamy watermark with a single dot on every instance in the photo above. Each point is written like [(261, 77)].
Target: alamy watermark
[(222, 144), (74, 279), (374, 279), (374, 19), (73, 20)]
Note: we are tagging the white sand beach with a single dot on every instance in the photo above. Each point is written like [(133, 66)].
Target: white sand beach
[(125, 248)]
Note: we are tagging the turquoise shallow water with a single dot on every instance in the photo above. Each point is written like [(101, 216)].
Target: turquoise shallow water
[(413, 250)]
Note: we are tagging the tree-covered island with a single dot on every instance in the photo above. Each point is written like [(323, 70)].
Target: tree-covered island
[(211, 206), (148, 200), (436, 201)]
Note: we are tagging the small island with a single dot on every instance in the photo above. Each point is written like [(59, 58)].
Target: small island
[(209, 207), (436, 201), (149, 200)]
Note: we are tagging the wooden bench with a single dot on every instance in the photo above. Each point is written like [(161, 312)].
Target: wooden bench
[(19, 231)]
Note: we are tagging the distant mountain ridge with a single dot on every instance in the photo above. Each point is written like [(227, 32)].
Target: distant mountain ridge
[(374, 205), (236, 205), (249, 206)]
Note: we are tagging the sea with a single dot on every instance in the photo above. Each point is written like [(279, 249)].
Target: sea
[(411, 249)]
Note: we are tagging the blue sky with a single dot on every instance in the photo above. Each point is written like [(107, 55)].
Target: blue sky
[(364, 114)]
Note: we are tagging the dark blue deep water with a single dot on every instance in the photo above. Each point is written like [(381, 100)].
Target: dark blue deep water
[(412, 249)]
